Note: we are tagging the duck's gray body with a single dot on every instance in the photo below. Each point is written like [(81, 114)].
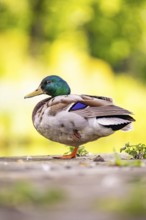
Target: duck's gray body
[(77, 119)]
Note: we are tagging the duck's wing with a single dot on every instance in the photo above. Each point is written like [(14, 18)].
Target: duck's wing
[(97, 106), (106, 113), (76, 103), (86, 106), (101, 111)]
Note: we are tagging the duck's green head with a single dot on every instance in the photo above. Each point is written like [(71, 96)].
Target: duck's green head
[(51, 85)]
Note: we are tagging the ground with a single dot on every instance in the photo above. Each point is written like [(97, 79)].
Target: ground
[(83, 188)]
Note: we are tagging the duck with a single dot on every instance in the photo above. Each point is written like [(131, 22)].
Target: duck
[(72, 119)]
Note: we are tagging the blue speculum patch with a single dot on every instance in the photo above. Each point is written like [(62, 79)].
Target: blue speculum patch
[(78, 106)]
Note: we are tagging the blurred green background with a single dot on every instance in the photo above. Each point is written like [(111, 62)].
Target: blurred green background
[(97, 46)]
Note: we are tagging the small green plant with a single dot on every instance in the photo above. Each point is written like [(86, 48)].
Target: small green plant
[(81, 151), (137, 151)]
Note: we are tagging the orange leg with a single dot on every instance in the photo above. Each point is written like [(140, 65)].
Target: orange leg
[(70, 156)]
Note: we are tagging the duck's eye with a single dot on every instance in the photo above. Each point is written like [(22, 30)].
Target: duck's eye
[(47, 82)]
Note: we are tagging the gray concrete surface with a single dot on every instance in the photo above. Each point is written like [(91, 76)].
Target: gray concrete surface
[(89, 187)]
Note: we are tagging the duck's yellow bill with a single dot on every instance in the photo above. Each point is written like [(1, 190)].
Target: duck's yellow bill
[(38, 91)]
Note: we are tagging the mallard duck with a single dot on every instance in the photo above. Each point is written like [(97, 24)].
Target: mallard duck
[(74, 120)]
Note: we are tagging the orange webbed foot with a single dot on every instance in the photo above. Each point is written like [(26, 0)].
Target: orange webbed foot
[(70, 156)]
